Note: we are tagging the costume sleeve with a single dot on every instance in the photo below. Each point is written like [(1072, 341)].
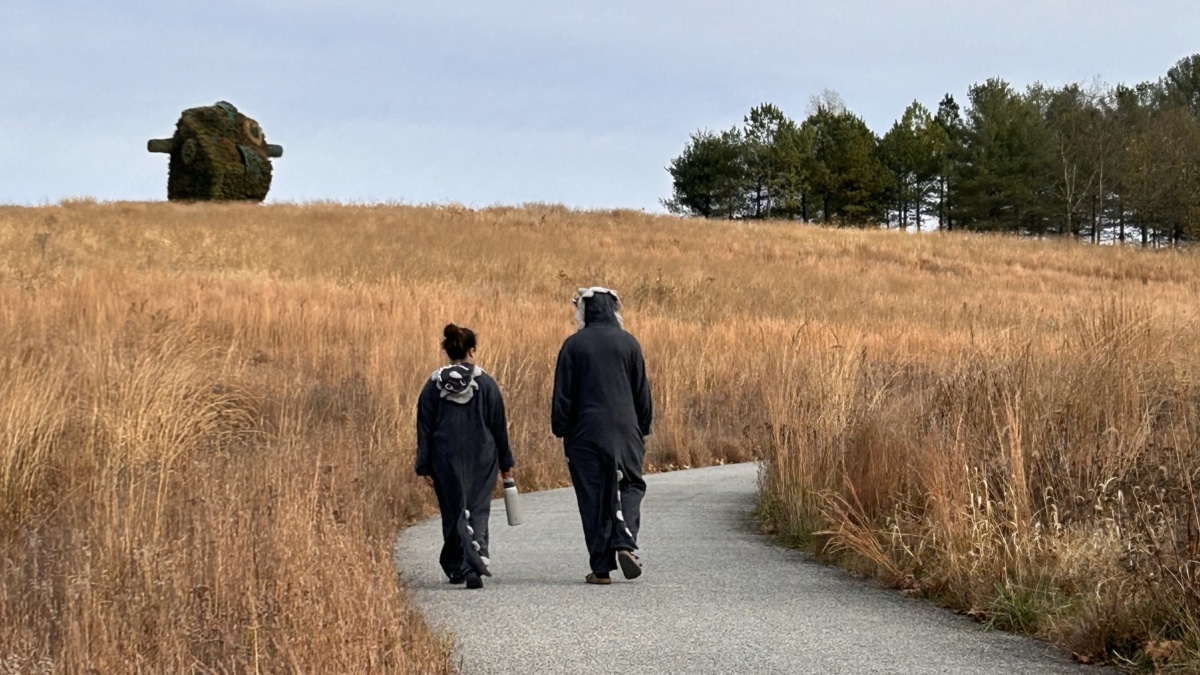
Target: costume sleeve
[(641, 393), (562, 404), (426, 415), (498, 423)]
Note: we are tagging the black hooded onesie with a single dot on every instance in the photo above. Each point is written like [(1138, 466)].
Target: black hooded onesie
[(462, 442), (602, 410)]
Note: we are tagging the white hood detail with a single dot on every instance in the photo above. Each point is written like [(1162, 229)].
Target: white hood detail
[(580, 300), (455, 384)]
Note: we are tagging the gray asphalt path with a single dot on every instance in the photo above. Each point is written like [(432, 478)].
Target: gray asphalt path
[(716, 597)]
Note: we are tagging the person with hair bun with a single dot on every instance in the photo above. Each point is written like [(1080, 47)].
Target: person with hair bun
[(462, 444)]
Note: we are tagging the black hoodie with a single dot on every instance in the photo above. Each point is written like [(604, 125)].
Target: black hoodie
[(461, 421), (601, 393)]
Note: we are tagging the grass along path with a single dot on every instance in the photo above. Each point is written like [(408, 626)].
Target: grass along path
[(207, 414)]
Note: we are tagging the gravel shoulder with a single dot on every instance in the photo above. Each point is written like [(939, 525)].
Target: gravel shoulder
[(716, 597)]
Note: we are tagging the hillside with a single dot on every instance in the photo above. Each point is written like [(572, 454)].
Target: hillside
[(208, 414)]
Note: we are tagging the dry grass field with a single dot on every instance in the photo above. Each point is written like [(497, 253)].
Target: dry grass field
[(206, 416)]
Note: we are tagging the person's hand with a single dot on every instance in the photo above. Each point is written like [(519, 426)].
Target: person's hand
[(428, 480), (506, 474)]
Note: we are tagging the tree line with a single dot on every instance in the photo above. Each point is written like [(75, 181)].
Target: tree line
[(1094, 161)]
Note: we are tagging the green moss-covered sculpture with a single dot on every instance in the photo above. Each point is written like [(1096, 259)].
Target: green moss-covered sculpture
[(217, 153)]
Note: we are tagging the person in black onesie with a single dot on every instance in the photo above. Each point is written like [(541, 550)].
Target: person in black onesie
[(602, 410), (462, 443)]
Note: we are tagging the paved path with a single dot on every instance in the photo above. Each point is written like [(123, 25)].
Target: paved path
[(716, 597)]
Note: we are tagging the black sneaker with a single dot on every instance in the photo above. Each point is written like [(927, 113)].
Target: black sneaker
[(631, 567), (457, 577), (473, 581)]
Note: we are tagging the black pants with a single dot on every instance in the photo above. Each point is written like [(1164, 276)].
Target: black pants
[(610, 494), (459, 530)]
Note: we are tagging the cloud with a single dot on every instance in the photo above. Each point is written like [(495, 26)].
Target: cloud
[(471, 90), (477, 166)]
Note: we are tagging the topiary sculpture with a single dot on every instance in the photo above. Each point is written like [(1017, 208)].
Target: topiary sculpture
[(217, 153)]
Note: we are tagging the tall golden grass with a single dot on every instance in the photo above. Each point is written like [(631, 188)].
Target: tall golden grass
[(207, 415)]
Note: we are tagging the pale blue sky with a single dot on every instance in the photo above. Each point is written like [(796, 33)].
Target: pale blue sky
[(500, 101)]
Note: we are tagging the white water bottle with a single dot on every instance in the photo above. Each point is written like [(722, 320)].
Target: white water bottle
[(512, 507)]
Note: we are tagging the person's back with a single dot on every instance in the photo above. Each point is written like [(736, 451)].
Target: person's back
[(463, 430), (601, 390), (602, 410), (462, 444)]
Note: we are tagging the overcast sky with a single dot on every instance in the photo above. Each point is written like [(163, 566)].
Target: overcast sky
[(500, 101)]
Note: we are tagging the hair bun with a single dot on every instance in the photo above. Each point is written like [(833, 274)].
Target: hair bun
[(458, 341)]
